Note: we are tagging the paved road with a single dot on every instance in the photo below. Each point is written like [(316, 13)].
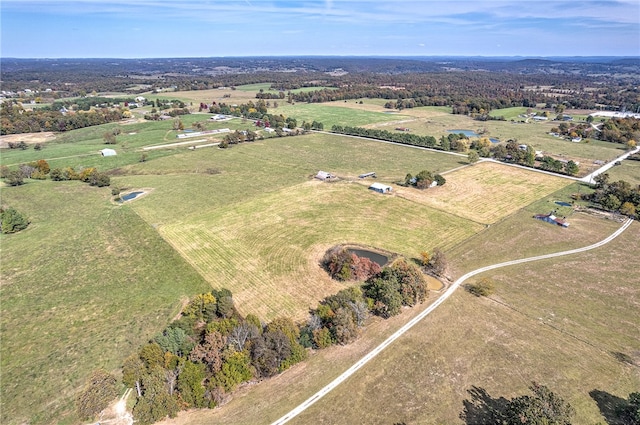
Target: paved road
[(333, 384)]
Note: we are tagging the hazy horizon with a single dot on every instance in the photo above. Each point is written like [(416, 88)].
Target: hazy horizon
[(251, 28)]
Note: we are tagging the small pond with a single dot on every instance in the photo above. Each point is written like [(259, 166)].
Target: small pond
[(130, 196), (468, 133), (494, 140), (563, 204), (376, 257)]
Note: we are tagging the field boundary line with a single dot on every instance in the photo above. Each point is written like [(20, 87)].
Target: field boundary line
[(364, 360)]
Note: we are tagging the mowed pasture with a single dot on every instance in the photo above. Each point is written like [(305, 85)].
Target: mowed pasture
[(267, 250), (472, 341), (566, 323), (486, 192), (628, 170)]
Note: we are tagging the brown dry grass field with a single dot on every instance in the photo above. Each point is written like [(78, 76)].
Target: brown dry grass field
[(486, 192)]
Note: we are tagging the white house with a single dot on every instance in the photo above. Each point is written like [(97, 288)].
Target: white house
[(380, 188), (323, 175), (108, 152)]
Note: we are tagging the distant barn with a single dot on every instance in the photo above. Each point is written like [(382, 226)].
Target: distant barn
[(381, 188), (323, 175), (365, 175), (550, 218), (108, 152)]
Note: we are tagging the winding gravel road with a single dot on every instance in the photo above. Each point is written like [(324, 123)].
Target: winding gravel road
[(353, 369)]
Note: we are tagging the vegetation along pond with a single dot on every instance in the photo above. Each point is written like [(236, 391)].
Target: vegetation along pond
[(376, 257)]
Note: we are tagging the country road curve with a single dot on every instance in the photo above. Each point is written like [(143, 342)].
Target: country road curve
[(360, 363)]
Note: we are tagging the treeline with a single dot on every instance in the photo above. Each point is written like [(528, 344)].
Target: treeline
[(397, 137), (40, 170), (14, 119)]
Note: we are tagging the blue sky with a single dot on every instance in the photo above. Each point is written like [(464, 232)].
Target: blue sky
[(209, 28)]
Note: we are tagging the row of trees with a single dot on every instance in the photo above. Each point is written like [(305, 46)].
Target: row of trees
[(40, 170)]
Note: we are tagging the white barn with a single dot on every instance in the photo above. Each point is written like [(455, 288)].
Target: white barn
[(380, 188)]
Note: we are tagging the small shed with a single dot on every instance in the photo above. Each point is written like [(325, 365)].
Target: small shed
[(380, 188), (323, 175), (365, 175), (108, 152)]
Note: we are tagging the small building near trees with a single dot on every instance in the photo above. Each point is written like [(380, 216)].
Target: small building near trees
[(380, 188)]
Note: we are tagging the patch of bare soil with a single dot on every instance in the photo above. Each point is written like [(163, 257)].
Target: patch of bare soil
[(28, 138)]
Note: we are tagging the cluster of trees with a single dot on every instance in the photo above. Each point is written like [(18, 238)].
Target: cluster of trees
[(40, 170), (200, 358), (238, 137), (423, 180), (204, 355), (615, 196), (12, 221), (342, 264), (14, 119), (397, 137)]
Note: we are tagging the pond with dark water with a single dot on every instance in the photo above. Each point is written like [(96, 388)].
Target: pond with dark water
[(130, 196), (376, 257), (468, 133)]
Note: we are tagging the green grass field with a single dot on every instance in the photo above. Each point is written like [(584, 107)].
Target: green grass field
[(628, 171), (84, 285), (90, 280)]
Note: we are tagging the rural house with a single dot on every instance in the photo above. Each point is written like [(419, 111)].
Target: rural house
[(381, 188)]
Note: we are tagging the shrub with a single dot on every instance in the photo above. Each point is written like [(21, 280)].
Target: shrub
[(97, 394), (483, 288), (11, 221)]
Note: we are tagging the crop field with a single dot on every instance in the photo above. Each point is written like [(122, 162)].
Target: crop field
[(486, 192), (267, 250)]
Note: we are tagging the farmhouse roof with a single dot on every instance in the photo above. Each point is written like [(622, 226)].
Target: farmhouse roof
[(323, 175), (550, 218)]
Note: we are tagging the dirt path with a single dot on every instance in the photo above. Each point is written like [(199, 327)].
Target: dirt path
[(353, 369)]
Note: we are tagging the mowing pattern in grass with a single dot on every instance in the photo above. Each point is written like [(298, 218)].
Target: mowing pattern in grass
[(82, 287), (266, 250), (564, 322), (487, 192)]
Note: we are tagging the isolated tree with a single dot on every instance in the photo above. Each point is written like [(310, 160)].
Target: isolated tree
[(543, 408), (12, 221), (99, 391), (483, 288), (571, 168), (14, 178), (438, 263)]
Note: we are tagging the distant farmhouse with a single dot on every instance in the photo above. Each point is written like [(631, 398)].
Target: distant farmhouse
[(550, 218), (380, 188)]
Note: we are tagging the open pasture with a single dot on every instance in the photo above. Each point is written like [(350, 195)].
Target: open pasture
[(183, 187), (267, 249), (82, 287), (628, 171), (556, 322), (486, 192)]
